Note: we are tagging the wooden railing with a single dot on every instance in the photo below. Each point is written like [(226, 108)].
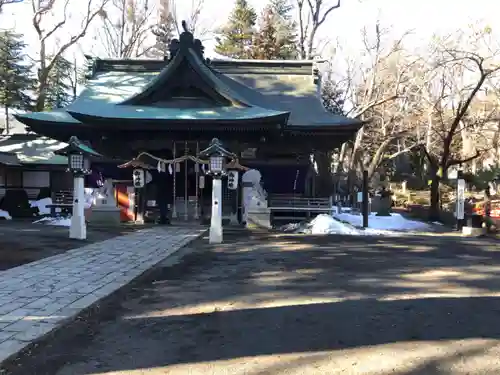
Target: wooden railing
[(62, 197), (62, 202), (297, 203)]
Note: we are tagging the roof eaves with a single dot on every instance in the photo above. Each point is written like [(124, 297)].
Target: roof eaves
[(287, 67), (129, 65)]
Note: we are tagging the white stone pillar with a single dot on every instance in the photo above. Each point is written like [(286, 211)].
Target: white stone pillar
[(216, 220), (78, 228)]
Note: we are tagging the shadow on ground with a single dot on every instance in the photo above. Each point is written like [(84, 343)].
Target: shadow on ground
[(314, 305), (23, 242)]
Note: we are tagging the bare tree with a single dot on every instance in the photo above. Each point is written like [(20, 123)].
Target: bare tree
[(76, 78), (6, 2), (455, 86), (312, 14), (193, 20), (169, 24), (367, 84), (126, 25), (43, 9), (378, 91)]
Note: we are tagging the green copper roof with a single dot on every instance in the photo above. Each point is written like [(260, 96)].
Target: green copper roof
[(153, 113), (266, 88), (113, 87), (294, 93), (33, 149), (104, 88), (188, 56), (54, 116)]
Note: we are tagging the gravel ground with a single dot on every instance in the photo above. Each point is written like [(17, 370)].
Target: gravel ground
[(262, 304)]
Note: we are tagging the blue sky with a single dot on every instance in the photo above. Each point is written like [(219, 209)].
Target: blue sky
[(425, 17)]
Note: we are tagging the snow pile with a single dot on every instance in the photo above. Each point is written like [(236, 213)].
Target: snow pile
[(42, 204), (351, 224), (58, 221), (5, 215), (325, 224), (90, 196), (395, 222)]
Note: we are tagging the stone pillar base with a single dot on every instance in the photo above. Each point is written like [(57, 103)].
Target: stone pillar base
[(259, 219), (108, 216), (473, 232)]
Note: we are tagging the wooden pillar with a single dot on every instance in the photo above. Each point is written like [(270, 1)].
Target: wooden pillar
[(174, 193), (186, 197), (197, 172)]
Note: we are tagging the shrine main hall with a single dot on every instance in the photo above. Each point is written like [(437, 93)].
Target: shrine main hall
[(269, 113)]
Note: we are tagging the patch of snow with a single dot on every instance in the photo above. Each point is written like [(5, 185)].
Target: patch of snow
[(89, 194), (57, 221), (5, 215), (325, 224), (42, 204), (350, 224), (290, 227), (395, 222)]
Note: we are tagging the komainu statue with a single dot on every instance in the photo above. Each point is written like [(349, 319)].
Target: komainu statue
[(254, 199)]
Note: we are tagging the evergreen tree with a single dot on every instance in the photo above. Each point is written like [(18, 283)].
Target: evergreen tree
[(276, 37), (265, 45), (16, 78), (236, 38), (332, 97), (59, 92), (286, 29)]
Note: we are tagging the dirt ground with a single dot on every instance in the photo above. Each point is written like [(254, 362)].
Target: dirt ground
[(22, 242), (260, 305)]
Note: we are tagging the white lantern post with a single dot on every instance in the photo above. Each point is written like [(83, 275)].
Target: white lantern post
[(217, 157), (79, 165)]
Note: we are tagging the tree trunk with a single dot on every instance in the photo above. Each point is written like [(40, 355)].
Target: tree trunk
[(356, 148), (40, 101), (342, 156), (434, 211), (7, 120), (324, 186)]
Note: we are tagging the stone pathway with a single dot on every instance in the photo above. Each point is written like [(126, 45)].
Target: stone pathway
[(39, 297)]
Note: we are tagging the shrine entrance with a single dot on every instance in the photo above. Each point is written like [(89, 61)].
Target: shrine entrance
[(181, 182), (189, 183), (192, 188)]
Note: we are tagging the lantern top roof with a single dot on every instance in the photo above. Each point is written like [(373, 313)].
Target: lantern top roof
[(78, 147), (216, 149)]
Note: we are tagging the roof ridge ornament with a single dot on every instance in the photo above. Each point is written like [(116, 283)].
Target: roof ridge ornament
[(186, 41), (90, 66)]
